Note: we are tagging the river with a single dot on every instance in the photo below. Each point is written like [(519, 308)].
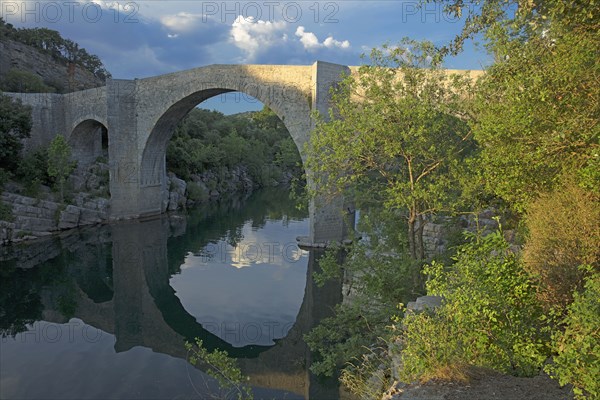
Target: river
[(104, 312)]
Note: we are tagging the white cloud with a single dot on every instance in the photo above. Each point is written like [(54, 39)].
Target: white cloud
[(331, 42), (181, 22), (254, 37), (310, 41)]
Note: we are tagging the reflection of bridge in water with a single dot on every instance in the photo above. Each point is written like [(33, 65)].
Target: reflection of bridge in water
[(144, 311)]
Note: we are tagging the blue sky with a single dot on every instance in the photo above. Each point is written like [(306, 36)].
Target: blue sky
[(137, 39)]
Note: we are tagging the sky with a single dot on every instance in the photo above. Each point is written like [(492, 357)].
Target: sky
[(137, 39)]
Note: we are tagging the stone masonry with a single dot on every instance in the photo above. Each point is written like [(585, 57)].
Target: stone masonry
[(141, 114)]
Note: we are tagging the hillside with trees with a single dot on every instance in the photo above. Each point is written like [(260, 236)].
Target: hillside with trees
[(257, 141), (41, 60), (415, 147)]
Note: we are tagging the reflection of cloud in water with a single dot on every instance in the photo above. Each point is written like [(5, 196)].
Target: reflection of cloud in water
[(250, 293)]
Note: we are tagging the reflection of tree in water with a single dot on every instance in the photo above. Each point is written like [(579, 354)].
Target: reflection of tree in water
[(88, 265), (20, 302), (20, 294)]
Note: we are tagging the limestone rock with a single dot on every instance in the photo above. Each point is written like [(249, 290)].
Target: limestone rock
[(424, 303), (17, 55)]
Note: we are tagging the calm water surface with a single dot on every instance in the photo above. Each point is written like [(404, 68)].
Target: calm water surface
[(104, 313)]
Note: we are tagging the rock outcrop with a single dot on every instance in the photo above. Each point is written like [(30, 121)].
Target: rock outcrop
[(15, 55), (34, 218)]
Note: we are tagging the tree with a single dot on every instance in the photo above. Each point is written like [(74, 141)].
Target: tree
[(503, 21), (396, 136), (15, 124), (538, 106), (59, 162)]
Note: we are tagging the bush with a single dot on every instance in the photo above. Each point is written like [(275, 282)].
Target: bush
[(490, 317), (15, 124), (34, 168), (431, 349), (196, 192), (578, 346), (564, 233), (24, 82)]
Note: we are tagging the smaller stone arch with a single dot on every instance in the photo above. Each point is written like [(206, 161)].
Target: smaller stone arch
[(88, 141)]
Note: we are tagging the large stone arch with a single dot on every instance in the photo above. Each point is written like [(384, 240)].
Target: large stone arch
[(142, 114), (274, 87)]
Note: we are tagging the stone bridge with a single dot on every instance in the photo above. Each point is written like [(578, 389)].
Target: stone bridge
[(136, 118)]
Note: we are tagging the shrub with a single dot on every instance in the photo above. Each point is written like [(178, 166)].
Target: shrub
[(578, 347), (490, 317), (564, 233), (196, 192), (6, 212), (15, 124), (24, 82), (431, 349), (34, 167)]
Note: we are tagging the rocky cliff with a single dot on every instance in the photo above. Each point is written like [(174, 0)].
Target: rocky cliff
[(15, 55)]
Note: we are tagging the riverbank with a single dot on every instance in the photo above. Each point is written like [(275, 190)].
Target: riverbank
[(30, 216)]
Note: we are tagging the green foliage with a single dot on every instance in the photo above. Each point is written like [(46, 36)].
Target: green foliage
[(34, 166), (431, 349), (489, 318), (196, 193), (502, 21), (15, 124), (20, 81), (396, 135), (535, 118), (208, 140), (378, 277), (578, 347), (363, 325), (33, 171), (537, 107), (562, 240), (538, 115), (221, 367), (60, 165)]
